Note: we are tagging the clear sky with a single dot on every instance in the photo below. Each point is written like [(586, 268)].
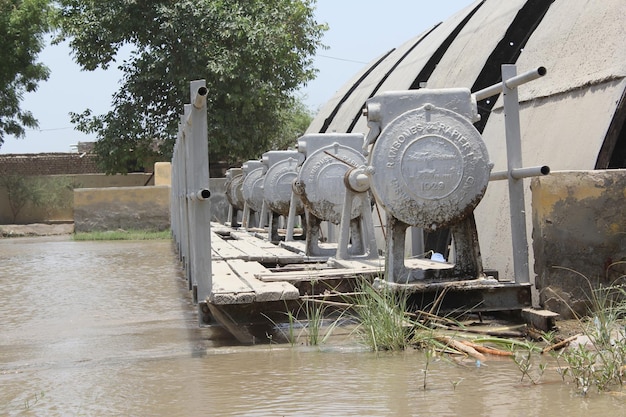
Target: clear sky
[(359, 31)]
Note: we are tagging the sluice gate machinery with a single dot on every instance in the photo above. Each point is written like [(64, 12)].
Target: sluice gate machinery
[(234, 196), (252, 192), (321, 186), (423, 165), (279, 176), (429, 168)]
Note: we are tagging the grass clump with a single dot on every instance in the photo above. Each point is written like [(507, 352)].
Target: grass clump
[(388, 321), (381, 314), (121, 234), (313, 321), (598, 359), (601, 363)]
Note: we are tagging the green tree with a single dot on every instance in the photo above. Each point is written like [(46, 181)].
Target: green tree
[(23, 24), (253, 54), (293, 123), (19, 190), (50, 193), (53, 192)]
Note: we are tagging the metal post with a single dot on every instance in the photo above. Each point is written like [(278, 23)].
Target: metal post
[(173, 213), (291, 218), (198, 157), (516, 186), (182, 202), (189, 215)]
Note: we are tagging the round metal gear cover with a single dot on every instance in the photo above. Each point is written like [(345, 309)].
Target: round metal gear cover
[(322, 176), (277, 186), (431, 167), (234, 191), (252, 189)]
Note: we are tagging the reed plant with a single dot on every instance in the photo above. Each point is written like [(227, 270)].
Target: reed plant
[(313, 321), (320, 321), (381, 314), (285, 332), (387, 321), (524, 362)]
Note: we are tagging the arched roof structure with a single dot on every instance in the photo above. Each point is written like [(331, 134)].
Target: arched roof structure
[(571, 119)]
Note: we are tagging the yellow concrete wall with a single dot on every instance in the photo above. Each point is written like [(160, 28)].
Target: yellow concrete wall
[(139, 208), (163, 173), (32, 214), (579, 235), (102, 180)]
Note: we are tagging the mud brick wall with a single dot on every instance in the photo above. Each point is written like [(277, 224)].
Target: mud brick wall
[(48, 164)]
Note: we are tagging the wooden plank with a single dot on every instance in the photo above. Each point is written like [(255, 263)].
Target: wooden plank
[(224, 249), (367, 264), (221, 229), (310, 275), (264, 291), (228, 288), (263, 251), (299, 246), (256, 241), (358, 264), (253, 252), (427, 264)]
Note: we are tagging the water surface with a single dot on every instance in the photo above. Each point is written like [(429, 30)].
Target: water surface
[(108, 329)]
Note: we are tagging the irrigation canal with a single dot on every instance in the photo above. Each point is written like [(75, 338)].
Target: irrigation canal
[(108, 329)]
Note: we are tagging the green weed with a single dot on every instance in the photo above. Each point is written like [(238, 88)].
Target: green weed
[(599, 363), (383, 324), (313, 321)]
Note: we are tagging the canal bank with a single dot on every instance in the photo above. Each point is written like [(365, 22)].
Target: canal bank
[(36, 229)]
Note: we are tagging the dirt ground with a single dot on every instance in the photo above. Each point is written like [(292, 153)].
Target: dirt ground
[(37, 229)]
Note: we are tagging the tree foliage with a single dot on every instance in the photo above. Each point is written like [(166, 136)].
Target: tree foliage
[(23, 24), (50, 193), (19, 189), (293, 123), (53, 192), (253, 54)]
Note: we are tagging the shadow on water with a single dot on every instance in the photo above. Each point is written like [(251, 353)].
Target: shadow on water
[(201, 338)]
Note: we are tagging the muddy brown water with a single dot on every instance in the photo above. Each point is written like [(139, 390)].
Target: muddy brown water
[(108, 329)]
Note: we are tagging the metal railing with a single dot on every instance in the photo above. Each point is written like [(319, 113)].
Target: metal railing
[(515, 172), (189, 205)]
